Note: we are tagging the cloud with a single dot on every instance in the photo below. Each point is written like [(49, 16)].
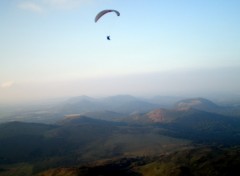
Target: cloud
[(31, 6), (65, 3), (39, 6), (7, 84)]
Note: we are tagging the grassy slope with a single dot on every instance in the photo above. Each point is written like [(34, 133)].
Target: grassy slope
[(204, 161), (196, 162)]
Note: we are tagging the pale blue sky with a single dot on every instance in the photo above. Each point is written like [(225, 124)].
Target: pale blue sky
[(57, 43)]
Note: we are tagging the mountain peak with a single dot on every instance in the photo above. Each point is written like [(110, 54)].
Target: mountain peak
[(196, 103), (82, 98), (157, 115)]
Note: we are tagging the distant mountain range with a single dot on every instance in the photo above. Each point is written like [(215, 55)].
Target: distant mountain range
[(85, 129), (124, 104), (111, 108)]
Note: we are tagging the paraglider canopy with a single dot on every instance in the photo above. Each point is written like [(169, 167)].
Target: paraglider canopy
[(100, 14)]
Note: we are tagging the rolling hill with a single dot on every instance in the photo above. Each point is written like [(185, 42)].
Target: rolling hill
[(197, 103), (207, 105)]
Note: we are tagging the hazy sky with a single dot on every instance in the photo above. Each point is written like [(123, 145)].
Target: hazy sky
[(53, 48)]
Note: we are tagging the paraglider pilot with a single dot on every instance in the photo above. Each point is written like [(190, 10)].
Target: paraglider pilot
[(108, 37)]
